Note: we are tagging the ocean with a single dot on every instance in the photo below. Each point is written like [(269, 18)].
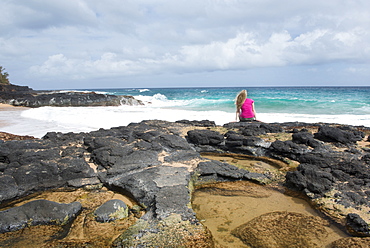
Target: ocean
[(342, 105)]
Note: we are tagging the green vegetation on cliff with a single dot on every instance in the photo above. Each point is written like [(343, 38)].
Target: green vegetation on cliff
[(3, 76)]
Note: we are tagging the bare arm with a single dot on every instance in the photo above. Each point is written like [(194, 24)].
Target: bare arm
[(237, 113), (254, 111)]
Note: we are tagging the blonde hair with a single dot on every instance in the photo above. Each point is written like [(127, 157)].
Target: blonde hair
[(240, 98)]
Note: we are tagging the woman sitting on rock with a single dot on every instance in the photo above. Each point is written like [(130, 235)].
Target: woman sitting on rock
[(244, 107)]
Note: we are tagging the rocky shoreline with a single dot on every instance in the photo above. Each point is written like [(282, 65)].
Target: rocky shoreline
[(159, 164), (24, 96)]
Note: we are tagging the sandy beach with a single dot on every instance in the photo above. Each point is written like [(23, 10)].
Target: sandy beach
[(8, 107), (4, 122), (4, 107)]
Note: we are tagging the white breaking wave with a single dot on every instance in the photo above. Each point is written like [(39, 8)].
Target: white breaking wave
[(38, 121), (159, 100), (355, 120), (79, 91)]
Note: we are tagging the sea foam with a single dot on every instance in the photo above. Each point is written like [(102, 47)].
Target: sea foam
[(38, 121)]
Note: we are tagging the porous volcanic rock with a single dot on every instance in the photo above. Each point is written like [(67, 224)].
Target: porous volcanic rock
[(357, 226), (34, 165), (157, 164), (333, 171), (149, 161), (342, 134), (39, 212), (205, 137)]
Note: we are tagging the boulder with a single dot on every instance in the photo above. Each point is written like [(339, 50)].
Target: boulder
[(205, 137), (111, 210), (305, 138), (176, 143), (310, 179), (39, 212), (288, 149), (357, 226), (334, 134)]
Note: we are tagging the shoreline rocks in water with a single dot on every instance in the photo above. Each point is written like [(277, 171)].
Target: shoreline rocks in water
[(159, 163), (27, 97)]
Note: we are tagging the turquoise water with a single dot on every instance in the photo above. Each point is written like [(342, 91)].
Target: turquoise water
[(297, 100), (343, 105)]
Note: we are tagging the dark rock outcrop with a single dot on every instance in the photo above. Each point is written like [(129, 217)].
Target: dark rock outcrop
[(203, 123), (288, 149), (11, 88), (154, 164), (254, 128), (39, 212), (357, 226), (215, 171), (342, 135), (24, 96), (205, 137), (311, 179), (306, 138), (35, 165)]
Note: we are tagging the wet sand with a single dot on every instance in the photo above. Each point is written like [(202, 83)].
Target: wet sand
[(84, 231), (9, 115), (8, 107), (5, 107), (222, 207)]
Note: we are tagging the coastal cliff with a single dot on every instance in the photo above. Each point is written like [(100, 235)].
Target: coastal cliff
[(159, 164), (27, 97)]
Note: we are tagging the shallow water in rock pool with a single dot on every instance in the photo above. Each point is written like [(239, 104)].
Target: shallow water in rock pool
[(224, 206), (83, 232)]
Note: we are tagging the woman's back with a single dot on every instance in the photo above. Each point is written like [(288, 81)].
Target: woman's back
[(247, 109)]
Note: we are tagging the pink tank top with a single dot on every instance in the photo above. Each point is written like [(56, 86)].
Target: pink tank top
[(246, 109)]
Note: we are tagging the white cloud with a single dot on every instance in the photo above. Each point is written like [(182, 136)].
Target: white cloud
[(80, 39), (244, 51)]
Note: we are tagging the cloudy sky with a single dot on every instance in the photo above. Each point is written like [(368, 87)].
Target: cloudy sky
[(76, 44)]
